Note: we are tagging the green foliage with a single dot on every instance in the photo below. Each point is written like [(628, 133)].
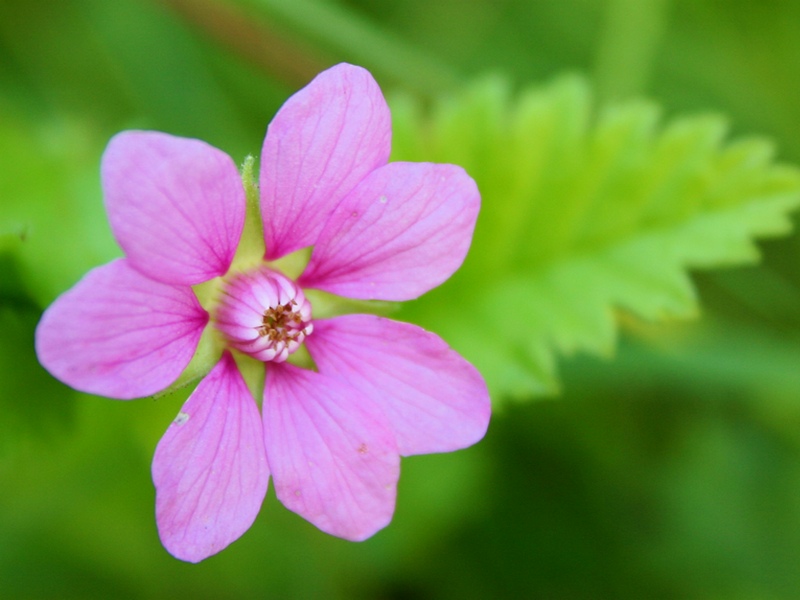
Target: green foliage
[(586, 213), (671, 472), (52, 223), (33, 404)]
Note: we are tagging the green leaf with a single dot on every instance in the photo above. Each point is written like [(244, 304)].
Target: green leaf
[(51, 216), (33, 405), (585, 213)]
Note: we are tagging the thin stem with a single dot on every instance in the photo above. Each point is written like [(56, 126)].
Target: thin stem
[(627, 47), (294, 40)]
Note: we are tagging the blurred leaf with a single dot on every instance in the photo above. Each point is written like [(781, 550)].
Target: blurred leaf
[(118, 65), (51, 219), (584, 214), (32, 403)]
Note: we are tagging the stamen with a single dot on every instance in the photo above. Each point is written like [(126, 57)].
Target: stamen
[(264, 315)]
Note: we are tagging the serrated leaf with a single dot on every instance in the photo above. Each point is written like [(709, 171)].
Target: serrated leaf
[(585, 213)]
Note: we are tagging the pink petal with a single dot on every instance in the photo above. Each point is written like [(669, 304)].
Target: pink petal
[(404, 230), (119, 334), (322, 142), (434, 399), (333, 458), (210, 468), (176, 205)]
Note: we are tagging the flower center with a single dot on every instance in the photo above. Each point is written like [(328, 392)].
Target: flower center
[(264, 315)]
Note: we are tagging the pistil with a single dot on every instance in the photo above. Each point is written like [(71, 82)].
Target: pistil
[(264, 314)]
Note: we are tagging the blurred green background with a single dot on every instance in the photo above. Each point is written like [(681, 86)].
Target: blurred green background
[(670, 468)]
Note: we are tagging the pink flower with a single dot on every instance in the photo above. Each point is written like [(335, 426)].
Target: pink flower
[(330, 436)]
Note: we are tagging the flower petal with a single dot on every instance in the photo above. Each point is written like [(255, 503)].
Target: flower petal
[(176, 205), (333, 458), (404, 230), (435, 400), (117, 333), (322, 142), (210, 468)]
